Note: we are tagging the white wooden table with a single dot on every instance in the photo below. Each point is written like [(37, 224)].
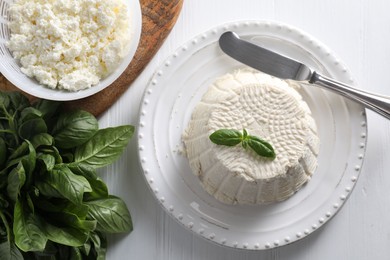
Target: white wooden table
[(359, 33)]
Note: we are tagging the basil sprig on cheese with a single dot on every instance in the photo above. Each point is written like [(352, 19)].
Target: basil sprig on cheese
[(232, 137)]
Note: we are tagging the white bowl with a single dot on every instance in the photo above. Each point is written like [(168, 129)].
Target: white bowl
[(10, 67)]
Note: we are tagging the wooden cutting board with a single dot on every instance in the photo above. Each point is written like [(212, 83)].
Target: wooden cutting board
[(158, 18)]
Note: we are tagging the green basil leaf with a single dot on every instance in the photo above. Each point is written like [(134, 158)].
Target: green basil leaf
[(99, 190), (66, 214), (45, 204), (86, 248), (3, 153), (261, 147), (24, 154), (228, 137), (99, 245), (3, 202), (16, 180), (8, 251), (104, 147), (74, 128), (61, 205), (47, 160), (75, 254), (3, 178), (27, 156), (27, 230), (5, 234), (79, 210), (83, 170), (48, 190), (29, 160), (231, 137), (111, 214), (66, 183), (65, 218), (19, 152), (4, 102), (30, 203), (48, 108), (53, 151), (12, 102), (65, 235), (29, 113), (32, 127), (18, 101), (2, 128), (42, 139)]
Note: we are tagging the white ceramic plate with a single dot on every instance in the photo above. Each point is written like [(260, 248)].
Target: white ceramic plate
[(167, 105), (10, 68)]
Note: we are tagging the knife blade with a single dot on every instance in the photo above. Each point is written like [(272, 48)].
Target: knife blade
[(263, 59), (283, 67)]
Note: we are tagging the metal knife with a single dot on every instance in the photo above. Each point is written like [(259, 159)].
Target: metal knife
[(286, 68)]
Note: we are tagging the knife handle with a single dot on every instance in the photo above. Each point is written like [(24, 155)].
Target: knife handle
[(375, 102)]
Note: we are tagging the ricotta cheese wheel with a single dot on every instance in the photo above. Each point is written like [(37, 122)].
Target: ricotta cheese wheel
[(267, 107)]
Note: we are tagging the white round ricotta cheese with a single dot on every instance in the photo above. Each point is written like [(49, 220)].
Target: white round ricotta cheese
[(266, 107)]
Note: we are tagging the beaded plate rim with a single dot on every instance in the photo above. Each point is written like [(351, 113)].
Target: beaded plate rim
[(154, 177)]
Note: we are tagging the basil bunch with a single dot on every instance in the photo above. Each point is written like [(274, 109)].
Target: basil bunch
[(53, 205), (232, 137)]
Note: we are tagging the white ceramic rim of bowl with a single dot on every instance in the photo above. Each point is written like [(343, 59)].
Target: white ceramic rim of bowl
[(32, 87)]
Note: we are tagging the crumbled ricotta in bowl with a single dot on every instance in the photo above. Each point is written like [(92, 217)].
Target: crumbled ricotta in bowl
[(69, 44)]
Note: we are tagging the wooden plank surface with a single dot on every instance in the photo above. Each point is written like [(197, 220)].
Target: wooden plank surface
[(158, 18)]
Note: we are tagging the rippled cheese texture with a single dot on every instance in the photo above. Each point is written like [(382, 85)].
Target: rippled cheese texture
[(266, 107), (69, 44)]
